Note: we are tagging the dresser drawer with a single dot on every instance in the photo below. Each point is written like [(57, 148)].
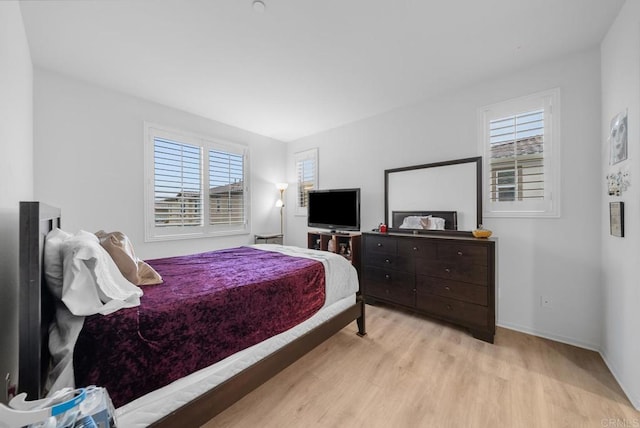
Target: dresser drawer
[(463, 291), (453, 310), (380, 244), (390, 261), (418, 248), (460, 253), (475, 274), (446, 277), (397, 287)]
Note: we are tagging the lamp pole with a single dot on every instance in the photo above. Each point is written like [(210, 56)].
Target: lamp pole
[(280, 203)]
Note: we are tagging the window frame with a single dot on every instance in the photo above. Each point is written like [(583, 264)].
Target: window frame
[(310, 154), (549, 207), (206, 144)]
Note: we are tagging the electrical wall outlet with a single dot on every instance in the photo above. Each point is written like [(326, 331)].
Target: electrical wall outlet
[(545, 302)]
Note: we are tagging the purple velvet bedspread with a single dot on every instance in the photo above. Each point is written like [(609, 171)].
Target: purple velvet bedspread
[(210, 306)]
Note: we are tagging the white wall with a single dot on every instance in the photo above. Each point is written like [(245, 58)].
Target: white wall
[(16, 170), (620, 52), (89, 161), (558, 258)]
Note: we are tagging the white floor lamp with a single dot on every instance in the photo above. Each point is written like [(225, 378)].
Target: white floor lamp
[(280, 204)]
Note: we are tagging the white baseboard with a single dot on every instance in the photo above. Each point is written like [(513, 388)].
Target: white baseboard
[(635, 401), (551, 336)]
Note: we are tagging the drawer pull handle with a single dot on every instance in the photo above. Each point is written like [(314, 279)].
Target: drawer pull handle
[(415, 248), (387, 261), (387, 276), (447, 288), (447, 270), (414, 290), (379, 244), (449, 307), (459, 253)]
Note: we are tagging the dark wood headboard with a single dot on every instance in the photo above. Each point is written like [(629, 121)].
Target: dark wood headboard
[(35, 306), (450, 217)]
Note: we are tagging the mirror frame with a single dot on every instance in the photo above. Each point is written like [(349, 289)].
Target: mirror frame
[(476, 159)]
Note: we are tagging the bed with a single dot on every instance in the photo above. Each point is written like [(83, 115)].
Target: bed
[(180, 403)]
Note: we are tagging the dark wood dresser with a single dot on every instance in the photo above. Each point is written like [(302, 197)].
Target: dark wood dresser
[(448, 277)]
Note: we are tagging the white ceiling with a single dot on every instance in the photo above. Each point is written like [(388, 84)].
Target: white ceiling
[(303, 66)]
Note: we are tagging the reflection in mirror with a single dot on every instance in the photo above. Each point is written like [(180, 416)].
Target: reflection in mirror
[(443, 186)]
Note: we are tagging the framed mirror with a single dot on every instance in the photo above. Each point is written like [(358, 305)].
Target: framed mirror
[(451, 190)]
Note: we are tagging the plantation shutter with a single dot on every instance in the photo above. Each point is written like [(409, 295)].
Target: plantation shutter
[(306, 173), (194, 185), (306, 178), (177, 184), (517, 170), (226, 188)]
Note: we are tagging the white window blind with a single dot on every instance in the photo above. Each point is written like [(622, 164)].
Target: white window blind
[(180, 170), (306, 164), (521, 146), (226, 188), (306, 174), (517, 157), (177, 184)]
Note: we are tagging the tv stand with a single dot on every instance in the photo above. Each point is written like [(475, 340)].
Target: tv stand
[(346, 244)]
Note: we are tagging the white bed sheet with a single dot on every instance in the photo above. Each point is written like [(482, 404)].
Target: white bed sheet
[(341, 286)]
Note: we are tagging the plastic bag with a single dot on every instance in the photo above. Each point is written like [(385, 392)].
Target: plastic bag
[(89, 407)]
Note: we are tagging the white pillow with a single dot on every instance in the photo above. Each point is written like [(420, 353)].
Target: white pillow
[(411, 222), (436, 223), (53, 260), (92, 282)]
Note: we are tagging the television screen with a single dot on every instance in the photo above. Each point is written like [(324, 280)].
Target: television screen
[(336, 209)]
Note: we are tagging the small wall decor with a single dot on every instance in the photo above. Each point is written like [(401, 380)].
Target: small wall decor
[(616, 218), (618, 138), (618, 182)]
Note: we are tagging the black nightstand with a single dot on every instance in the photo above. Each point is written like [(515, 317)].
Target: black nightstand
[(274, 238)]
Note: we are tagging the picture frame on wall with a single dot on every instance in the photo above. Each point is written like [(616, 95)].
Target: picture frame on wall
[(618, 138), (616, 218)]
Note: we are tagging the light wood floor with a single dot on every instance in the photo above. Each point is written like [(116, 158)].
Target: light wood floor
[(410, 371)]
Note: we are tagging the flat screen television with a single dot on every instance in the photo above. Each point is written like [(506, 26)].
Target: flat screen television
[(334, 209)]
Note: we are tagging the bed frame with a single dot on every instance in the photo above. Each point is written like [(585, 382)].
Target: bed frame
[(36, 312)]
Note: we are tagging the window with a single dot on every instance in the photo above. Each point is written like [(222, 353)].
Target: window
[(306, 164), (505, 185), (177, 184), (196, 186), (226, 188), (520, 142)]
